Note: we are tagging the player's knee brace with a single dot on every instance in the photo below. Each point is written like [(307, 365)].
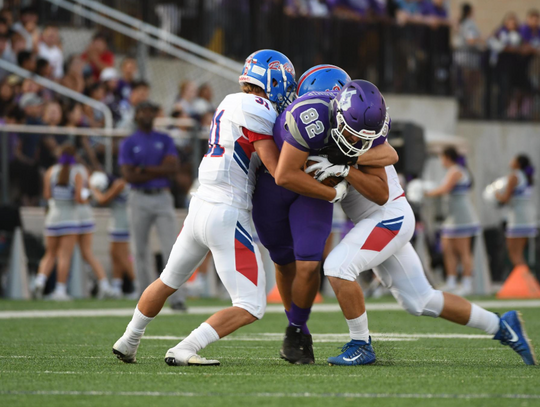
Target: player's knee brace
[(430, 305)]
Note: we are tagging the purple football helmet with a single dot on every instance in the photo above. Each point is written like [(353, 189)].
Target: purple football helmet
[(360, 117)]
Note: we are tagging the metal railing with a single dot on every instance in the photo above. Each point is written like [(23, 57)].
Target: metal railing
[(79, 97), (191, 132), (141, 32)]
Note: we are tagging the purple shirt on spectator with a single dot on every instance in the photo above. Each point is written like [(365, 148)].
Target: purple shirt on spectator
[(530, 36), (430, 9), (361, 7), (148, 150)]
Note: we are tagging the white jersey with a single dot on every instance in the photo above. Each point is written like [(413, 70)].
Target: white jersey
[(227, 171), (358, 207)]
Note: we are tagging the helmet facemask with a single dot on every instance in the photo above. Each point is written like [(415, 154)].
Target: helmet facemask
[(363, 139), (280, 93)]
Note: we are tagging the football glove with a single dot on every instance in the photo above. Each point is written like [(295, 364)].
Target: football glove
[(324, 168), (341, 191), (335, 156)]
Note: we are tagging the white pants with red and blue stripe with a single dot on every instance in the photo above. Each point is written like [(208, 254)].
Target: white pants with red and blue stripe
[(381, 242), (226, 232)]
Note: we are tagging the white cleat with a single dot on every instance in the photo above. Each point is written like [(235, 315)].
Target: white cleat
[(59, 296), (124, 351), (186, 357)]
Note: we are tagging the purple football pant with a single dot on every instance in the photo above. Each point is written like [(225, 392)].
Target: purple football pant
[(291, 226)]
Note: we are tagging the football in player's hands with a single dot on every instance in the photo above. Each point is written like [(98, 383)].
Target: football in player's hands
[(335, 156), (331, 181)]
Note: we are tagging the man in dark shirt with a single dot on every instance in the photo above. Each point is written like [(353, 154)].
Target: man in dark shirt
[(148, 158)]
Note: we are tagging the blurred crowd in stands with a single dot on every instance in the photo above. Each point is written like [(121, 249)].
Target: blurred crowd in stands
[(38, 49), (511, 52)]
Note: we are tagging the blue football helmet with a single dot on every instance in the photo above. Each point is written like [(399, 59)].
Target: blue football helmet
[(360, 117), (274, 73), (322, 78)]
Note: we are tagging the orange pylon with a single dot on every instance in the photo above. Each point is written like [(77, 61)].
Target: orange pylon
[(521, 283)]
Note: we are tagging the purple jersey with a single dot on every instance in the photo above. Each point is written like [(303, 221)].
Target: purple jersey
[(306, 124)]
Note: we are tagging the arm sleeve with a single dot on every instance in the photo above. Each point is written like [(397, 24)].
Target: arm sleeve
[(252, 136)]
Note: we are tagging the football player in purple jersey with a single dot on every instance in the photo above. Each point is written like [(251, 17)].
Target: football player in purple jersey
[(384, 222), (293, 227)]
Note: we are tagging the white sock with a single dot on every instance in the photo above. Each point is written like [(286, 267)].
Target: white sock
[(451, 282), (60, 288), (117, 284), (484, 320), (104, 284), (358, 328), (199, 338), (41, 280), (466, 283), (137, 326)]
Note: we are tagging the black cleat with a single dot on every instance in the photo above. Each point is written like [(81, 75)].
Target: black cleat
[(297, 347)]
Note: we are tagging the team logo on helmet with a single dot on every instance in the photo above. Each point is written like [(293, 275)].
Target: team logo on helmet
[(249, 60), (287, 67), (345, 100)]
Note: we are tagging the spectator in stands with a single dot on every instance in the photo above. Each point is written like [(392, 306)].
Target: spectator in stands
[(461, 222), (435, 13), (530, 32), (95, 117), (18, 44), (74, 78), (468, 62), (128, 71), (4, 27), (521, 218), (109, 79), (98, 56), (355, 10), (511, 77), (7, 97), (49, 49), (203, 103), (147, 166), (28, 28), (7, 16), (186, 97), (43, 68), (49, 143), (140, 92), (63, 186), (409, 11), (14, 115), (5, 54), (27, 60)]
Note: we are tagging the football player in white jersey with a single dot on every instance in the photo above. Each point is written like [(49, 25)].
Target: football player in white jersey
[(380, 238), (220, 212)]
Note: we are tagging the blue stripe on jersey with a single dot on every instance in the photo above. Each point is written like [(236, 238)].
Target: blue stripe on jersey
[(238, 235), (244, 231), (240, 157)]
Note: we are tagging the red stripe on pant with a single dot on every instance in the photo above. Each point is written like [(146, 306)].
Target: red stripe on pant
[(379, 238), (246, 262)]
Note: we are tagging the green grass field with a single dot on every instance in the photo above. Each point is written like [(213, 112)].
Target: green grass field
[(67, 361)]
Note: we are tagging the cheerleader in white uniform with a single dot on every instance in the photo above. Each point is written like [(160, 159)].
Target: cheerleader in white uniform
[(518, 196), (85, 216), (461, 222), (62, 189), (115, 196)]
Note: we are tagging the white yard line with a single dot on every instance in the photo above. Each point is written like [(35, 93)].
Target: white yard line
[(207, 310), (275, 395), (318, 338)]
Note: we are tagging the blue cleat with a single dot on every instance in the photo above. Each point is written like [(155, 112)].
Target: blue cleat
[(512, 333), (354, 353)]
